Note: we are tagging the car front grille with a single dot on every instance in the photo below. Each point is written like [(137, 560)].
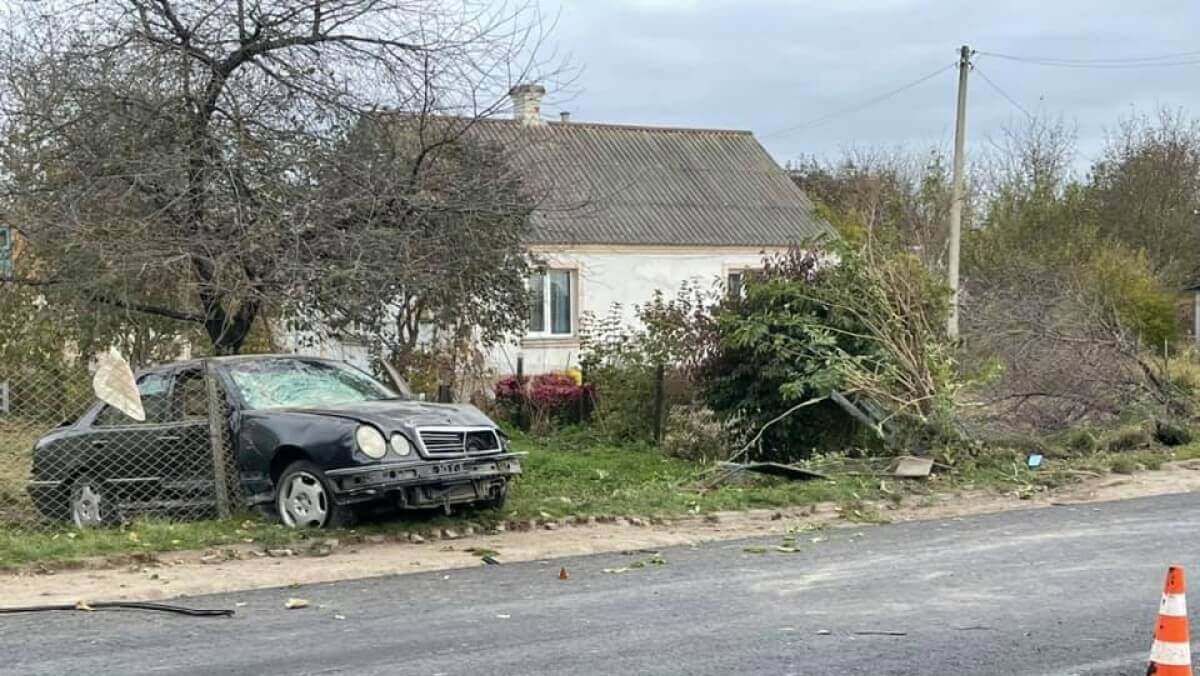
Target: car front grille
[(459, 442)]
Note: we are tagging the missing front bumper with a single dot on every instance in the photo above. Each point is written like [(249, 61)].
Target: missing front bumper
[(426, 484)]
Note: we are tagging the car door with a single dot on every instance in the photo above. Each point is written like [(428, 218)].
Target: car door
[(126, 453), (190, 447)]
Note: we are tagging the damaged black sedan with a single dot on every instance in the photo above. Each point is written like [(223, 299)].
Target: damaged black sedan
[(313, 439)]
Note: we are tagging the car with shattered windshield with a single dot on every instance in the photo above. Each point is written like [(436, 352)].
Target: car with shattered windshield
[(312, 439)]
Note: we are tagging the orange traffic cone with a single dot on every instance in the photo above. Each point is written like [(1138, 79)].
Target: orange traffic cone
[(1172, 651)]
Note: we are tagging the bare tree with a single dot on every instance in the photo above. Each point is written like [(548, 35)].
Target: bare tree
[(1145, 191), (893, 196), (167, 156)]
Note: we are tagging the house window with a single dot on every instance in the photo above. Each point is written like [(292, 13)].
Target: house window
[(733, 282), (551, 302)]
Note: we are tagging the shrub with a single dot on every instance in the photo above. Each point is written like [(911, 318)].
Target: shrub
[(621, 361), (1082, 441), (1129, 439), (546, 399), (1123, 465), (1172, 433), (1124, 285), (870, 326), (694, 433)]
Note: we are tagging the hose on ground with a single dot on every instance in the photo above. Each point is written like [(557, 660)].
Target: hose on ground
[(133, 605)]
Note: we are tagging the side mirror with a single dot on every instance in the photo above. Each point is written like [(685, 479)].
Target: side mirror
[(115, 386), (398, 380)]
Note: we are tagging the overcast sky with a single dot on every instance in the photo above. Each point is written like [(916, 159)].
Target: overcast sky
[(766, 65)]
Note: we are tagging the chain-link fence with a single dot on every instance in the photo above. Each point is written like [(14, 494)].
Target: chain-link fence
[(69, 460)]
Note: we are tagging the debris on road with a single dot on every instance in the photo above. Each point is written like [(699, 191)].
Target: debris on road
[(912, 467), (772, 469), (875, 632), (563, 574), (294, 604)]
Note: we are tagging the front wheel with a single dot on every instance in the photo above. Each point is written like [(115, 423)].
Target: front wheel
[(304, 498), (91, 503), (498, 497)]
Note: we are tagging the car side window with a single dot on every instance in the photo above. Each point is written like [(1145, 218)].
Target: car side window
[(191, 394), (155, 389)]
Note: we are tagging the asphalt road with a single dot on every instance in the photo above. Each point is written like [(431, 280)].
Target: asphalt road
[(1063, 590)]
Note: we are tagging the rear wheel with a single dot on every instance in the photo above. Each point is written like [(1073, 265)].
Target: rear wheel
[(91, 503), (304, 498)]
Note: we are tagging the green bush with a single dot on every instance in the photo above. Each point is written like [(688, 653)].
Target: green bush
[(1129, 439), (1125, 286), (1123, 465), (870, 327), (621, 363), (1172, 433), (1081, 441)]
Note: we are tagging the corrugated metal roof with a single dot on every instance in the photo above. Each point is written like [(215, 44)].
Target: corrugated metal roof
[(618, 184)]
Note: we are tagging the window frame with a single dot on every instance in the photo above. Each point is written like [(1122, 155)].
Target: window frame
[(742, 271), (94, 422), (547, 332)]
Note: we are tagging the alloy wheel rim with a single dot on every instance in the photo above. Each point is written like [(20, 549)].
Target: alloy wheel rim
[(303, 502), (85, 507)]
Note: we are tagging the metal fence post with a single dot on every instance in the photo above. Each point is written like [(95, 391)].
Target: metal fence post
[(216, 437), (659, 374), (523, 401)]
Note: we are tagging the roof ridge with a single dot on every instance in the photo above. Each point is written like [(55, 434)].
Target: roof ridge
[(631, 127)]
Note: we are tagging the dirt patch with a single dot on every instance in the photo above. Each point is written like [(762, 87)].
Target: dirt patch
[(234, 569)]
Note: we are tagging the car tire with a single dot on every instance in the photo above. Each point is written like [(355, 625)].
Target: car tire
[(90, 504), (498, 499), (304, 498)]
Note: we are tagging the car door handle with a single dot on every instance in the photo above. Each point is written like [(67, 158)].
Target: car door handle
[(169, 437)]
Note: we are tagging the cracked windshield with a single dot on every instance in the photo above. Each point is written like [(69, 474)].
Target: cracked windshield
[(294, 383)]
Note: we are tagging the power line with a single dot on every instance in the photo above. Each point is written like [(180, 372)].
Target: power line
[(860, 106), (1163, 60), (1003, 93), (1121, 60)]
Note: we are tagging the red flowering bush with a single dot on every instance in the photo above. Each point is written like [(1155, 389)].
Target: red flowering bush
[(543, 399)]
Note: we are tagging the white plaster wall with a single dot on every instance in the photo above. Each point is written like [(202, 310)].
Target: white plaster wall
[(627, 276)]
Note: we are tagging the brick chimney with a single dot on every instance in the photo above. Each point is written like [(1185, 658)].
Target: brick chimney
[(527, 103)]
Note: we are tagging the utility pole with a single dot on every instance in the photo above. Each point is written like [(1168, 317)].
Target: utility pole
[(958, 190)]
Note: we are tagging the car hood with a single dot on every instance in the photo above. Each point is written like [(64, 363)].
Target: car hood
[(396, 413)]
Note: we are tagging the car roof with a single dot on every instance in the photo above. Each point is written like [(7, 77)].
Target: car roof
[(230, 359)]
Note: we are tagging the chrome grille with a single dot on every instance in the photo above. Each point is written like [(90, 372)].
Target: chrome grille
[(443, 443), (459, 441)]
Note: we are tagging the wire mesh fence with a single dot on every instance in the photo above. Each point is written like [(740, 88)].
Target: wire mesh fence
[(69, 460)]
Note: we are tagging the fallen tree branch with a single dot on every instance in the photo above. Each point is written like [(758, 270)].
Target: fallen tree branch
[(774, 420)]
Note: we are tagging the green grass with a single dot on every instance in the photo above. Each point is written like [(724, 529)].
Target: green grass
[(575, 474)]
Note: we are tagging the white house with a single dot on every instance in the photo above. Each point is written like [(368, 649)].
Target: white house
[(624, 210), (630, 209)]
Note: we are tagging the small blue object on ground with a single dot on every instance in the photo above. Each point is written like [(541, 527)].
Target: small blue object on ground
[(1035, 460)]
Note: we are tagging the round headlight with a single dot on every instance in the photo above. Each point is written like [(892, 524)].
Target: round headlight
[(370, 441), (400, 444)]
